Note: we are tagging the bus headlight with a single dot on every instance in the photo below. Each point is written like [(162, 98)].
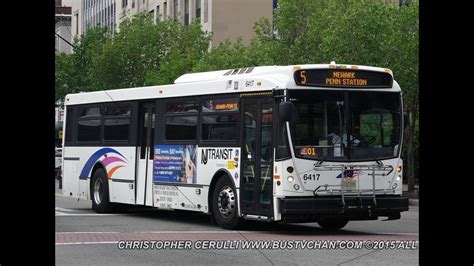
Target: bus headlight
[(291, 179), (297, 187), (399, 169), (399, 177)]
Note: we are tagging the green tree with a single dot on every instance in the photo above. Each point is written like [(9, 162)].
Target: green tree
[(298, 31), (360, 34), (73, 71), (141, 53), (403, 57), (290, 40), (145, 53), (188, 46), (63, 75), (226, 55)]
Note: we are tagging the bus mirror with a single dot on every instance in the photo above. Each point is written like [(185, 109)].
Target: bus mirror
[(286, 110)]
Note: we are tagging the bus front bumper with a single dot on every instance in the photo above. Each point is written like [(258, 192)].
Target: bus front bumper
[(353, 206)]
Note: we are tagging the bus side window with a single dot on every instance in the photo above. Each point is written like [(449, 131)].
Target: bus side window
[(69, 125)]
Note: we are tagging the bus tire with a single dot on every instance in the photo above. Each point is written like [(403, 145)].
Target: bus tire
[(332, 224), (100, 192), (224, 204)]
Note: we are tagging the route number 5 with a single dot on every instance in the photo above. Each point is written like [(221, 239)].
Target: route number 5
[(303, 77)]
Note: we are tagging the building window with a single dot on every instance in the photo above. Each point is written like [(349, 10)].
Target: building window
[(76, 16), (198, 10), (152, 15), (124, 3), (57, 43), (157, 13), (206, 6), (186, 12), (133, 3), (113, 17), (405, 2), (175, 9), (165, 10)]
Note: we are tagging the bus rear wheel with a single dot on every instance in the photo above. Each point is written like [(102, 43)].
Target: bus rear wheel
[(224, 204), (100, 192), (333, 224)]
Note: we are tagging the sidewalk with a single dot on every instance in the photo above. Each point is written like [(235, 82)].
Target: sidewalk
[(412, 197)]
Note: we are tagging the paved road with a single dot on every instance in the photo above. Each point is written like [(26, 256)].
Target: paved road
[(84, 237)]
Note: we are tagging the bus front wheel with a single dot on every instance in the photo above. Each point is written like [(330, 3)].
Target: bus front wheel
[(332, 224), (100, 192), (224, 204)]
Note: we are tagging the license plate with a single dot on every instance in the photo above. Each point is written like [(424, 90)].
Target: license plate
[(349, 183)]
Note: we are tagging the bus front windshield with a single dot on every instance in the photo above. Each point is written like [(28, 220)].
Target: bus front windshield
[(346, 126)]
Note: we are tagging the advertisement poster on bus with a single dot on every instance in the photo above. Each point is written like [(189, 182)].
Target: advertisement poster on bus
[(175, 164)]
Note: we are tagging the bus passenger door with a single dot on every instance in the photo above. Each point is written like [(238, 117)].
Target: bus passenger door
[(256, 183), (144, 170)]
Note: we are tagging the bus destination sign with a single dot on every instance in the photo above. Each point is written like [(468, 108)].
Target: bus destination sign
[(343, 78)]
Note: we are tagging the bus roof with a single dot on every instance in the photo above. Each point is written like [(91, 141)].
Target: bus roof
[(239, 80)]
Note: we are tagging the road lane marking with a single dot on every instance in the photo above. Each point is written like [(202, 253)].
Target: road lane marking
[(64, 210), (59, 233), (81, 238), (86, 243), (399, 234), (154, 232), (87, 214), (215, 232), (189, 232)]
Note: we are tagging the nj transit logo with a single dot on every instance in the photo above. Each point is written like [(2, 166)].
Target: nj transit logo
[(350, 174), (108, 158)]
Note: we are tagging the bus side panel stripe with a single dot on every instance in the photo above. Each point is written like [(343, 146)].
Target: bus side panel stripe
[(112, 171), (110, 160), (93, 159)]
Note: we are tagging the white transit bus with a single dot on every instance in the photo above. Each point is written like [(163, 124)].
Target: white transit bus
[(302, 143)]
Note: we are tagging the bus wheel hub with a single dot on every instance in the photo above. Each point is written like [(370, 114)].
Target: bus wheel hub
[(98, 191), (226, 201)]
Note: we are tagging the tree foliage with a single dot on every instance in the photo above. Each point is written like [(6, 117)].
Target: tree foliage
[(74, 72), (142, 53)]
